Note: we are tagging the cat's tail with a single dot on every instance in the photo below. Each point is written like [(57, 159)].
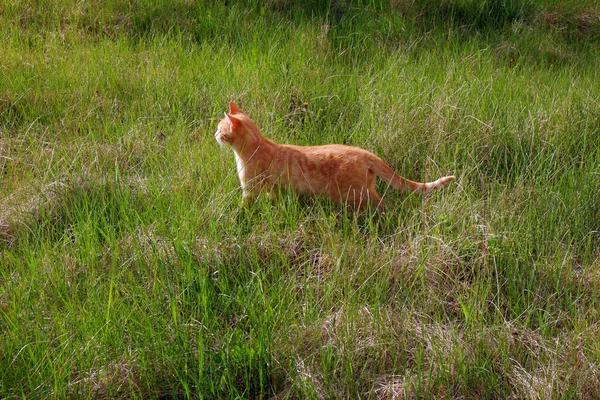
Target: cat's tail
[(397, 182)]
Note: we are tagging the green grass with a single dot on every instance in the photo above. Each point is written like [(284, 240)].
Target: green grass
[(129, 269)]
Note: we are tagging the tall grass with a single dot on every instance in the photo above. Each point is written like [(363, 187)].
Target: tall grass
[(129, 269)]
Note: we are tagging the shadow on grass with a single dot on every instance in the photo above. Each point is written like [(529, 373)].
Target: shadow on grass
[(349, 21), (55, 212)]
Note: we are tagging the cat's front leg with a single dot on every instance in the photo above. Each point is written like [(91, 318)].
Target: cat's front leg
[(272, 194), (247, 198)]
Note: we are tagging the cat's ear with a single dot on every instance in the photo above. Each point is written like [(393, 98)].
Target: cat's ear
[(232, 121), (234, 109)]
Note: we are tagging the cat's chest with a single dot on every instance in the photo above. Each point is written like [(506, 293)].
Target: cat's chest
[(239, 165), (250, 166)]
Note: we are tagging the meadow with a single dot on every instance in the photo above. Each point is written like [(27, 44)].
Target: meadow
[(129, 268)]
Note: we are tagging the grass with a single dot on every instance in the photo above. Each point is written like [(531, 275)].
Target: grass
[(129, 269)]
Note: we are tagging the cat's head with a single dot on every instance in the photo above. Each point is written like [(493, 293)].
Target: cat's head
[(235, 129)]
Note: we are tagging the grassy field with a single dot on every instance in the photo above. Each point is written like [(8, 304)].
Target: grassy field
[(129, 269)]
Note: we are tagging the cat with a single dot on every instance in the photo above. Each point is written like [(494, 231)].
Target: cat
[(344, 174)]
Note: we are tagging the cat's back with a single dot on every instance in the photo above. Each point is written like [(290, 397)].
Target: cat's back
[(329, 151), (328, 159)]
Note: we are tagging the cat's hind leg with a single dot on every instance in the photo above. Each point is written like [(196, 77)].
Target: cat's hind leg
[(356, 196), (376, 200)]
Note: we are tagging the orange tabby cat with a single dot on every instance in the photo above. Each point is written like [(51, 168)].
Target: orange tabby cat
[(345, 174)]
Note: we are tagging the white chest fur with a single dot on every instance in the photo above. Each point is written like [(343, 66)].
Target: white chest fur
[(239, 164)]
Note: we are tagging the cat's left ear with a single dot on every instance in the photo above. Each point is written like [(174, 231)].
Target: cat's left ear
[(234, 109), (233, 121)]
